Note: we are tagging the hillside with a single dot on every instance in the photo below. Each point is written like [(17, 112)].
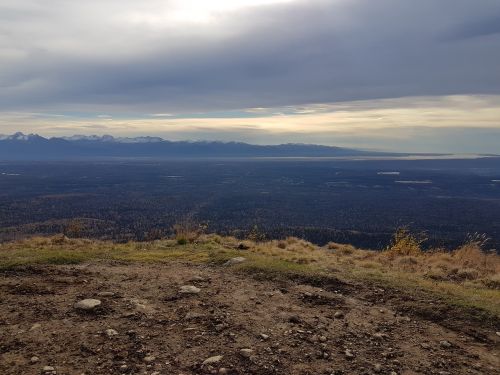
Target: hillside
[(216, 305)]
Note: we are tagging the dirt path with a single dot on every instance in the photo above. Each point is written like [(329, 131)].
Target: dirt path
[(290, 327)]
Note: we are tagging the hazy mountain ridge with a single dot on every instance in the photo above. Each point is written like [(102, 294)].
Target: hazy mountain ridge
[(33, 146)]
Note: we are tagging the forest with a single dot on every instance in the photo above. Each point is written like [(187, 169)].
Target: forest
[(361, 202)]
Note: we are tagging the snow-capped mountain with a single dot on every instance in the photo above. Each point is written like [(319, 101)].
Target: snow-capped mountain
[(19, 137), (110, 138), (19, 146)]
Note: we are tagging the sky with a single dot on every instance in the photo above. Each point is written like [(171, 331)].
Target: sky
[(398, 75)]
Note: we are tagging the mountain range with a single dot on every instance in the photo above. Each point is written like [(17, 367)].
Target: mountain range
[(21, 146)]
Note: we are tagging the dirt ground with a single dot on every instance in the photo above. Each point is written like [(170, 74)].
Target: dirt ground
[(290, 326)]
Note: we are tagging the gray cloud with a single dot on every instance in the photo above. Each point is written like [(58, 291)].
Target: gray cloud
[(88, 56)]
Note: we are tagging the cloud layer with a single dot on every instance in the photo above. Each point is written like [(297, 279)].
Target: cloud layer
[(149, 56), (249, 59)]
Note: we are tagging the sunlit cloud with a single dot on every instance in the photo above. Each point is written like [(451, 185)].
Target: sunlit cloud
[(371, 124), (193, 11)]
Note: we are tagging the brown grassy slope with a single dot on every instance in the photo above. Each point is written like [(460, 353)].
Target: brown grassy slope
[(467, 277)]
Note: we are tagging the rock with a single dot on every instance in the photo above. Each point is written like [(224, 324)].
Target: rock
[(234, 261), (263, 336), (338, 315), (198, 278), (246, 353), (193, 315), (34, 359), (149, 359), (498, 333), (445, 344), (35, 326), (243, 246), (87, 304), (349, 354), (49, 370), (212, 360), (223, 370), (426, 346), (295, 319), (189, 289), (111, 332), (379, 336), (377, 368), (106, 294)]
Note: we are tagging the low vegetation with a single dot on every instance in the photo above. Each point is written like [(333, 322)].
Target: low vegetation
[(468, 276)]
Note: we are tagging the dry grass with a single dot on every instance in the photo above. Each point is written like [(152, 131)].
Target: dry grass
[(187, 231)]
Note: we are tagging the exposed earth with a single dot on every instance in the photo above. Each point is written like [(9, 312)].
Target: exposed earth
[(181, 318)]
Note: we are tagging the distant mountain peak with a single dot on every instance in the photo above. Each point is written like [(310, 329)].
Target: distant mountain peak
[(110, 138), (19, 136), (19, 146)]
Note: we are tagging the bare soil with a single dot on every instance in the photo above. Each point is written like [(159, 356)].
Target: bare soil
[(295, 326)]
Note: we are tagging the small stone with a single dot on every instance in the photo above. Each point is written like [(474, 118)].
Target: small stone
[(295, 319), (193, 315), (149, 359), (498, 333), (223, 370), (243, 246), (34, 359), (198, 278), (246, 353), (212, 360), (445, 344), (377, 368), (87, 304), (106, 294), (123, 367), (234, 261), (111, 332), (338, 315), (424, 345), (322, 339), (349, 354), (49, 370), (35, 326), (189, 289), (263, 336)]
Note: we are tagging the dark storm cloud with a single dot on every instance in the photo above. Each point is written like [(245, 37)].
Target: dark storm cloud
[(67, 56)]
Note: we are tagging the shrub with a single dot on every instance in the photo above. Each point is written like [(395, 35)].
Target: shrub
[(340, 249), (256, 235), (187, 231), (405, 243)]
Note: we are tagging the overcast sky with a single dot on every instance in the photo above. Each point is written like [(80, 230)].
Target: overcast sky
[(400, 75)]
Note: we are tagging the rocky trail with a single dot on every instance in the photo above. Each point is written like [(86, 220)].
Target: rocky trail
[(179, 318)]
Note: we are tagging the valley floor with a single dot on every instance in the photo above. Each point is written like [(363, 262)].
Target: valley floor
[(292, 325)]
